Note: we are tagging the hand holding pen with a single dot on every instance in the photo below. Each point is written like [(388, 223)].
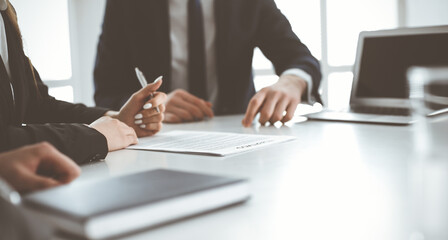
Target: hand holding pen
[(141, 78), (144, 111)]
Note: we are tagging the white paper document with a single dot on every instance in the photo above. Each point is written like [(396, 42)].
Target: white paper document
[(207, 143)]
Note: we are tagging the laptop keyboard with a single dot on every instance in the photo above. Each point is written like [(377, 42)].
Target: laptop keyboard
[(383, 111)]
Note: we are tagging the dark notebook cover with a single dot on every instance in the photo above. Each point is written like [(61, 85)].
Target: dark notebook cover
[(82, 201)]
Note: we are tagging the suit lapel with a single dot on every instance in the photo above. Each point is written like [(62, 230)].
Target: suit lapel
[(7, 97), (6, 103), (19, 74)]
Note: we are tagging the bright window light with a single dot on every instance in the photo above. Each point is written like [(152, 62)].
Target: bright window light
[(62, 93), (45, 29), (339, 88), (264, 81), (260, 62), (304, 16), (347, 18)]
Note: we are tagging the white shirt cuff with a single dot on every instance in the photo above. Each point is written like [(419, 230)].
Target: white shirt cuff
[(308, 79)]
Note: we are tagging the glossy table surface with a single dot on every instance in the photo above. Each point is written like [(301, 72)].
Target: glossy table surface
[(335, 181)]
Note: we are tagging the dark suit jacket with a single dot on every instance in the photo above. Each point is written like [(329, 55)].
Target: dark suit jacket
[(136, 34), (47, 119)]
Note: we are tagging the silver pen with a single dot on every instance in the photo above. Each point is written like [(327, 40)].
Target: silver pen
[(141, 78)]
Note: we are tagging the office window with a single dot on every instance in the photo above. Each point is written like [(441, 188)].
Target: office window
[(330, 30), (46, 37), (63, 93), (347, 18), (341, 84), (304, 16), (305, 20)]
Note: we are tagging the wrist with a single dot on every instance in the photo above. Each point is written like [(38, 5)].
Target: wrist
[(290, 80)]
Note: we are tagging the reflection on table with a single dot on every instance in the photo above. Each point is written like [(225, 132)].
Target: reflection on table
[(336, 181)]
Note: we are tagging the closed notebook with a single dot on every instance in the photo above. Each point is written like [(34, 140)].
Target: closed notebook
[(119, 205)]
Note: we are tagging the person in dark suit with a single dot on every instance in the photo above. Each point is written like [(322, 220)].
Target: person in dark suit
[(35, 167), (28, 114), (204, 50)]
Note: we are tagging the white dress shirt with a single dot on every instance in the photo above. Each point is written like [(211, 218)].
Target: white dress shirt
[(179, 48)]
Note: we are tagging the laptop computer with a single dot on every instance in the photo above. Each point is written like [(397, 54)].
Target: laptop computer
[(380, 93)]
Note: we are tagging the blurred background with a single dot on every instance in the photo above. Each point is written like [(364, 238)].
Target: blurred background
[(61, 36)]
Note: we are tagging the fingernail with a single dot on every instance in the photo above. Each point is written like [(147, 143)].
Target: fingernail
[(158, 79), (138, 116), (138, 122), (143, 126), (147, 106)]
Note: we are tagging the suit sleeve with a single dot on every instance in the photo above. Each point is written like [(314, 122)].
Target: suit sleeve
[(282, 47), (79, 142), (111, 65), (43, 108), (59, 123)]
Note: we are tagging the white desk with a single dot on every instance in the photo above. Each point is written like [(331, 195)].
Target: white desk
[(337, 181)]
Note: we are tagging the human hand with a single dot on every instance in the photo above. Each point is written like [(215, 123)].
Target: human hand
[(37, 167), (118, 134), (182, 106), (271, 102), (143, 115)]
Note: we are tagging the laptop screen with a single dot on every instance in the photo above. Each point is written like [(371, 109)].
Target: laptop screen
[(385, 60)]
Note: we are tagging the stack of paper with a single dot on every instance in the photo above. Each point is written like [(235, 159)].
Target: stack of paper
[(208, 143)]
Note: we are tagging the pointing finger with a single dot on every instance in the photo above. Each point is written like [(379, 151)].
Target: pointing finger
[(253, 108)]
